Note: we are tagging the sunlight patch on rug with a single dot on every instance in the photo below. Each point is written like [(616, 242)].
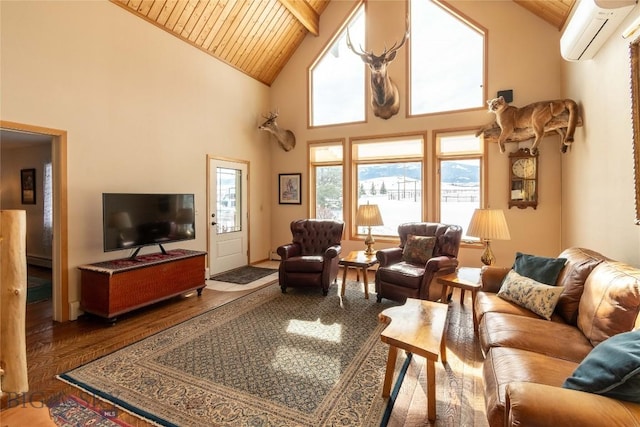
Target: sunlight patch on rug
[(265, 359)]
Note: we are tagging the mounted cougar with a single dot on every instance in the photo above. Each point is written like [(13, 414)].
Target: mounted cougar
[(385, 100), (285, 137)]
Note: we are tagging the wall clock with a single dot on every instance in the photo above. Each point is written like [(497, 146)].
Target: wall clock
[(523, 182)]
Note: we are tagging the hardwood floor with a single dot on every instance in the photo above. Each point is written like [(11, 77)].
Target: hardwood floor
[(53, 348)]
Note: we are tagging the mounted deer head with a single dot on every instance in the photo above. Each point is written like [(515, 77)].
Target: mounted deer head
[(285, 137), (385, 99)]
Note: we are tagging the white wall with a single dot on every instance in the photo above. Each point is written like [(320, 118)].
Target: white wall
[(530, 66), (598, 188), (142, 110)]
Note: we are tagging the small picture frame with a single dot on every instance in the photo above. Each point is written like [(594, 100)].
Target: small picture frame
[(290, 188), (28, 186)]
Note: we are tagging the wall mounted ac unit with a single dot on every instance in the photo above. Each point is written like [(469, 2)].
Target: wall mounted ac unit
[(591, 25)]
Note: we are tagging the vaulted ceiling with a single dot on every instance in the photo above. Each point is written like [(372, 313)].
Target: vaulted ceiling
[(259, 36)]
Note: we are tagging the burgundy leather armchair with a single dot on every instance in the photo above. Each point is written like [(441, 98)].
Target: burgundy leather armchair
[(398, 280), (312, 258)]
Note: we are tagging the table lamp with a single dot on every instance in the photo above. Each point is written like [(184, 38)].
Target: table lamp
[(369, 216), (488, 224)]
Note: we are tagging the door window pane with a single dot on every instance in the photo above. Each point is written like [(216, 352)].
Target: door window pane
[(228, 206)]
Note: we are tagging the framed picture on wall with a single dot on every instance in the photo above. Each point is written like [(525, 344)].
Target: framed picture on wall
[(290, 188), (28, 186)]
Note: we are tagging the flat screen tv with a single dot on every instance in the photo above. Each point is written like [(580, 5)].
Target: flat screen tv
[(133, 220)]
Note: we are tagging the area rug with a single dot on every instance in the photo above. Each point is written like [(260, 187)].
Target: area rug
[(74, 411), (38, 289), (266, 359), (243, 275)]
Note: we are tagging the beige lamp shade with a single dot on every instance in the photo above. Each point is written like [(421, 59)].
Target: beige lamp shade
[(488, 224), (368, 216)]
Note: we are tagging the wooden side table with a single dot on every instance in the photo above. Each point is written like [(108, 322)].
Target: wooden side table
[(465, 279), (357, 259), (416, 327)]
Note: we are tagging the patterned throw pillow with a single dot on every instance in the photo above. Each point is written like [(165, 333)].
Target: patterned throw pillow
[(532, 295), (418, 249)]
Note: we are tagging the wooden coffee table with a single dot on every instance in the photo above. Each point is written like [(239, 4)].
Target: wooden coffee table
[(417, 327), (357, 259)]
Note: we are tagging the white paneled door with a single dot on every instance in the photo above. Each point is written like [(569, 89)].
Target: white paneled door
[(228, 231)]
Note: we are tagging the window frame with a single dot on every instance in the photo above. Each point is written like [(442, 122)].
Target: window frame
[(312, 173), (485, 67), (430, 169), (353, 172), (438, 158), (320, 56)]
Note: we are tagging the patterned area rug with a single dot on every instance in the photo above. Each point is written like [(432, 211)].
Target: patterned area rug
[(243, 275), (266, 359), (73, 411)]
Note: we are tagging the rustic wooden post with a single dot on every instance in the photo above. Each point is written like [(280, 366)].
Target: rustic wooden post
[(13, 300)]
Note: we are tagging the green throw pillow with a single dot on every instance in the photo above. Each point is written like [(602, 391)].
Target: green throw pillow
[(541, 269), (611, 369), (537, 297), (418, 249)]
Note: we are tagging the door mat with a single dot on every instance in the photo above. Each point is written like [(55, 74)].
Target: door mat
[(243, 275)]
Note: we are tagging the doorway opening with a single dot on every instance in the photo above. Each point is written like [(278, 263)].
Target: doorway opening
[(228, 230), (54, 225)]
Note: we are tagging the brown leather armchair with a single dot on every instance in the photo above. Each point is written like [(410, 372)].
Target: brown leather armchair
[(312, 257), (398, 280)]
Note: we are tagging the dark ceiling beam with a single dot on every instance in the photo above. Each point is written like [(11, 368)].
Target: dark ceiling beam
[(304, 13)]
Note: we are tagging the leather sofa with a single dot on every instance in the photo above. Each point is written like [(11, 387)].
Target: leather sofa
[(528, 358), (397, 279), (311, 259)]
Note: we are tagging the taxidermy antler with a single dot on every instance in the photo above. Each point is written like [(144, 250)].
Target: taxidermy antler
[(285, 137), (385, 99)]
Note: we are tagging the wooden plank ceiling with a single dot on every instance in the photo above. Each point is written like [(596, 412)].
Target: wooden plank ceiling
[(258, 37), (555, 12)]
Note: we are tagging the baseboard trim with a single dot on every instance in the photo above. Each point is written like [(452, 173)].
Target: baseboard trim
[(74, 310), (39, 261)]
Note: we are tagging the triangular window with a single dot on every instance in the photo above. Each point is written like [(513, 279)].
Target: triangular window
[(337, 78), (447, 60)]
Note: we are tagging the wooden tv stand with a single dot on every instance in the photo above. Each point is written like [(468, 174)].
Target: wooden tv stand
[(111, 288)]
